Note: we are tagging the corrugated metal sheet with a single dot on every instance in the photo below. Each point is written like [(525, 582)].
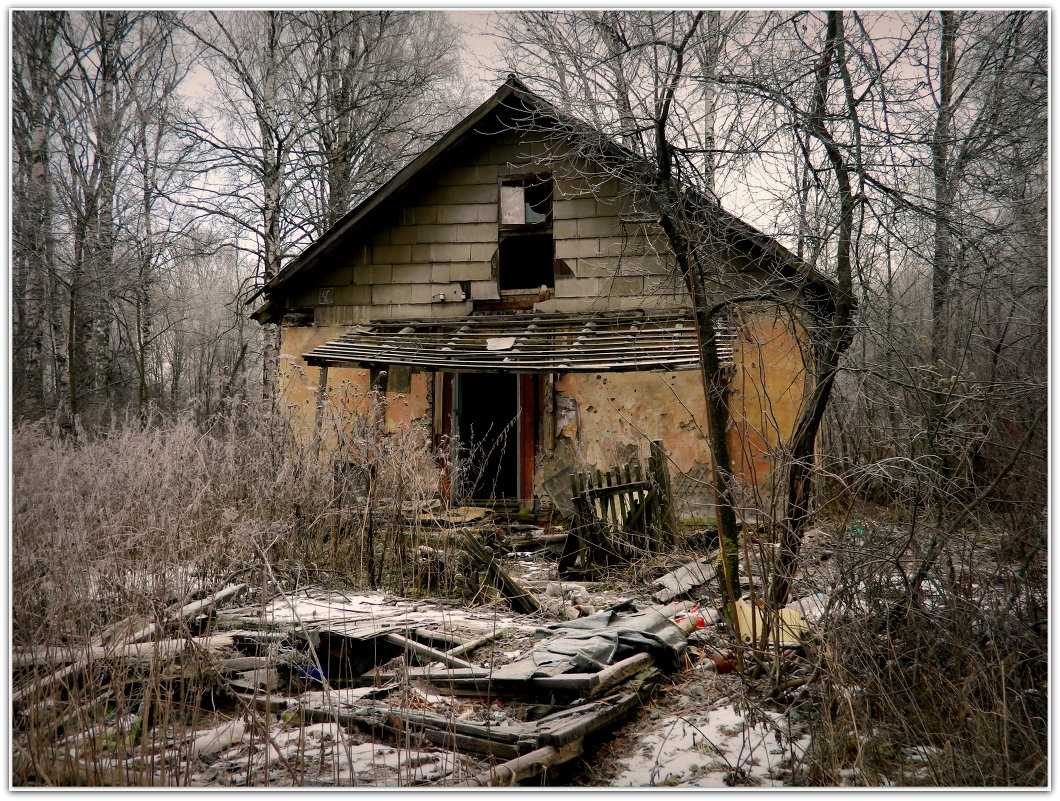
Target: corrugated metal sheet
[(540, 343)]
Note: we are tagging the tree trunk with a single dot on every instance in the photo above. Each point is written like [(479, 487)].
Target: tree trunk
[(830, 338)]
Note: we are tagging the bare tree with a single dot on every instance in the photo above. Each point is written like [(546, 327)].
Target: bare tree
[(34, 86), (111, 61), (641, 67), (374, 84), (309, 108)]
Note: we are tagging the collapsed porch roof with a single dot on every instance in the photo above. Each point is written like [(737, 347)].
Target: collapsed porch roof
[(539, 343)]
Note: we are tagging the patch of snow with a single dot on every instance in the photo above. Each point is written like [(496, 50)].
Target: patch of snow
[(718, 748), (322, 754)]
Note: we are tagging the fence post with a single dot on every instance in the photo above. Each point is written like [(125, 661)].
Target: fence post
[(660, 479)]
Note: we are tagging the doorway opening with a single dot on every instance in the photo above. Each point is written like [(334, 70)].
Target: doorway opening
[(487, 422)]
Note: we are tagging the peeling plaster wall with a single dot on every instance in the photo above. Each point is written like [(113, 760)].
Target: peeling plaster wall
[(603, 419), (766, 394), (347, 389)]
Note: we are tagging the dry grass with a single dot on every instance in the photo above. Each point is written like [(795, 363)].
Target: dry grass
[(941, 685), (118, 523), (112, 528)]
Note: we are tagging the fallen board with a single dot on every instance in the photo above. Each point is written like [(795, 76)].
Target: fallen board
[(685, 579)]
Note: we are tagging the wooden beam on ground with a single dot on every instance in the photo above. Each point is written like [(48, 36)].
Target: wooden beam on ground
[(426, 651), (589, 684), (468, 647), (43, 685), (520, 598), (187, 612), (507, 774), (47, 655), (607, 711)]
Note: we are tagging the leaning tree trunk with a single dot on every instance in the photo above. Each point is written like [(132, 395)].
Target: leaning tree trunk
[(674, 222), (830, 337)]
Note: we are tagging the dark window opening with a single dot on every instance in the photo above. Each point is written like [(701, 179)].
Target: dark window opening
[(390, 378), (297, 317), (526, 262)]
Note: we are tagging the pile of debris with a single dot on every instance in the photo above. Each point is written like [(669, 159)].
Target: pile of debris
[(469, 697), (321, 687)]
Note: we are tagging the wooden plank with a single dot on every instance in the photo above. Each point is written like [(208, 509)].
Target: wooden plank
[(431, 674), (519, 597), (395, 728), (524, 767), (527, 434), (660, 474), (426, 651), (47, 655), (468, 647), (484, 731), (606, 713), (438, 636), (620, 487), (188, 611), (589, 684)]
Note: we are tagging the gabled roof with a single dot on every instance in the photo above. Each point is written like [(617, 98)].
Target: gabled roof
[(511, 94)]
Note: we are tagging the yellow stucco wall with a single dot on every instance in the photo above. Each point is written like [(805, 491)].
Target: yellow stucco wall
[(617, 414), (347, 390), (620, 413), (765, 394)]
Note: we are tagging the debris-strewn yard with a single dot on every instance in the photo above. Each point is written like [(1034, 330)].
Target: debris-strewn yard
[(290, 686), (413, 644), (307, 686)]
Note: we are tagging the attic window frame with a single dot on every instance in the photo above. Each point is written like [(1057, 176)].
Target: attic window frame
[(523, 180), (525, 294)]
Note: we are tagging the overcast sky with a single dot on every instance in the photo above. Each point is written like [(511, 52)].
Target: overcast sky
[(480, 50)]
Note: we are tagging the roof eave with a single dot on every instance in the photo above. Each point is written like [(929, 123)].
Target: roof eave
[(314, 251)]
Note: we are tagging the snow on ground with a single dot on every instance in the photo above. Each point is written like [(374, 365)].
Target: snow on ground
[(317, 609), (323, 754), (714, 748)]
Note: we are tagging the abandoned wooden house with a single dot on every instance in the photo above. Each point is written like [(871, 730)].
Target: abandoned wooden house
[(523, 306)]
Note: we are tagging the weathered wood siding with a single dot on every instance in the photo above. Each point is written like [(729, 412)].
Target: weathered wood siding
[(446, 232)]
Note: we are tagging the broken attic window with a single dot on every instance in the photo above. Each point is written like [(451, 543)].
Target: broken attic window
[(526, 201), (525, 262)]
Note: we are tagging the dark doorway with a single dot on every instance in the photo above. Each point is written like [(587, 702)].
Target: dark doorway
[(487, 414)]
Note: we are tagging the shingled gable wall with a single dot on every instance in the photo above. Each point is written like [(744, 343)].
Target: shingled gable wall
[(445, 231)]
